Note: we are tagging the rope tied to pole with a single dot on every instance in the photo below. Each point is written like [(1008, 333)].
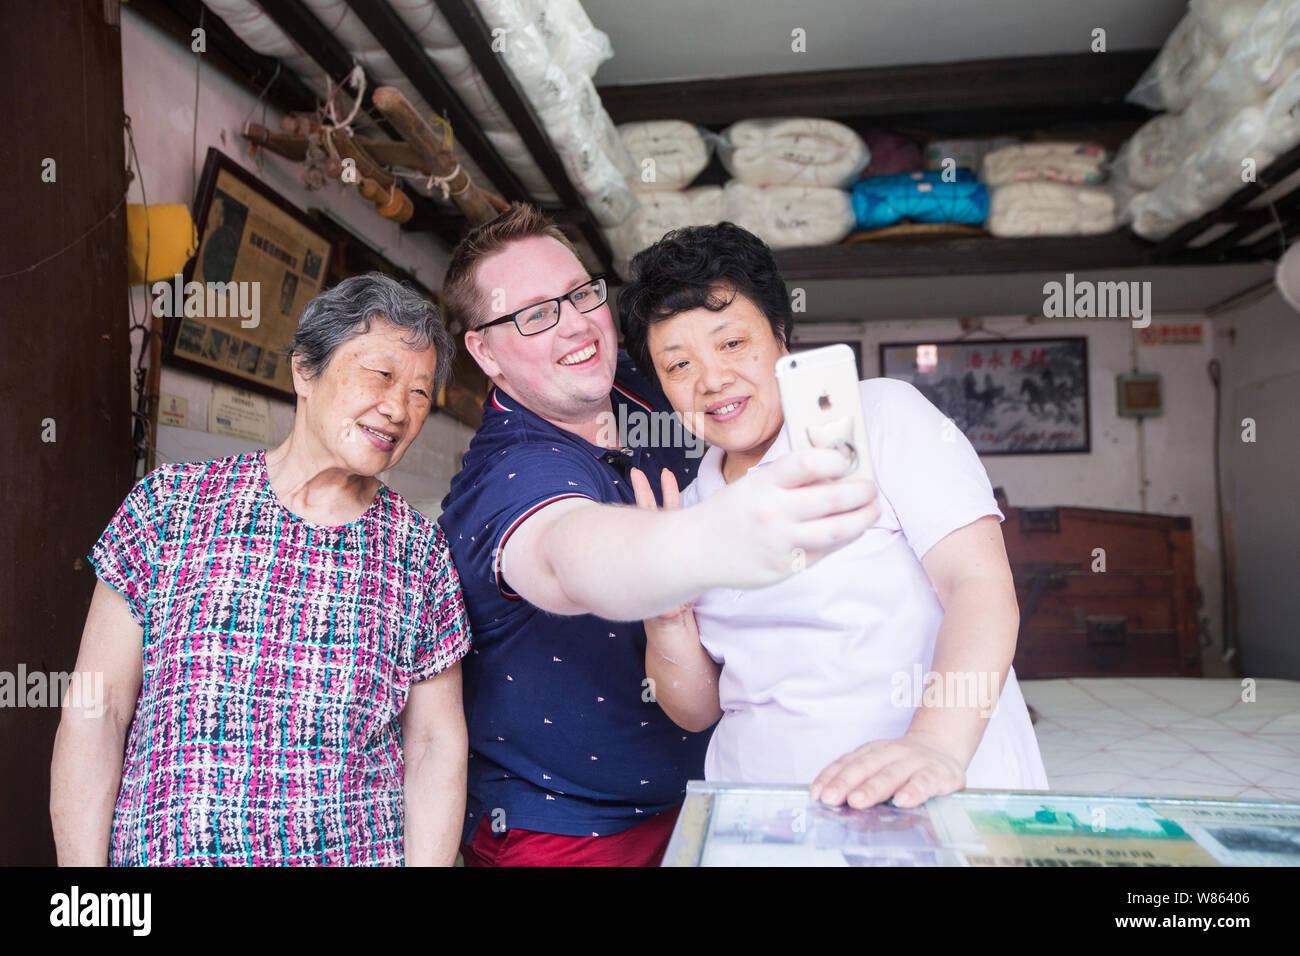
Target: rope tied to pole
[(444, 182)]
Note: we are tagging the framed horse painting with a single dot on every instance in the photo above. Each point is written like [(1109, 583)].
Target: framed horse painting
[(1007, 396)]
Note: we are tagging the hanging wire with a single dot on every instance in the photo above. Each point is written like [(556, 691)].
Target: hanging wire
[(194, 142), (81, 238), (141, 439), (1281, 233), (261, 99)]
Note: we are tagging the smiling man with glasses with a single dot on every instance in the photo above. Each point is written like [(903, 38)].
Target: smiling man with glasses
[(572, 761)]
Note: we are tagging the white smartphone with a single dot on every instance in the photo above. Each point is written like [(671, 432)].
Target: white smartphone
[(823, 405)]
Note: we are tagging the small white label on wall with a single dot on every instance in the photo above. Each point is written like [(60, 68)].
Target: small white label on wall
[(243, 414), (173, 410)]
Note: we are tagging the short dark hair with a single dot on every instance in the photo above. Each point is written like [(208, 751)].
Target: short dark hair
[(347, 310), (465, 303), (700, 267)]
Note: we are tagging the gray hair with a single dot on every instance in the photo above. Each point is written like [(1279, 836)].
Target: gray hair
[(346, 311)]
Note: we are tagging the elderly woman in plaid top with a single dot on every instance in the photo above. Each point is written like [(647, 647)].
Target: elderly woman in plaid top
[(280, 633)]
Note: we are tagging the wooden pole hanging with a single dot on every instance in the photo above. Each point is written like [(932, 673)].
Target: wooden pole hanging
[(444, 166)]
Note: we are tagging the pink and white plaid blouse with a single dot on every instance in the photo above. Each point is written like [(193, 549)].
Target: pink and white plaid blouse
[(277, 657)]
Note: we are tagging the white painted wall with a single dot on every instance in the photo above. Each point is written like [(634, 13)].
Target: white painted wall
[(158, 82), (1259, 347), (1178, 445)]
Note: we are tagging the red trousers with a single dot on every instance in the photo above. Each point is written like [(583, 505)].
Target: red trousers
[(641, 845)]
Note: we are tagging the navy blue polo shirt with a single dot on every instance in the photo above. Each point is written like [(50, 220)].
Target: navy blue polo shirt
[(564, 734)]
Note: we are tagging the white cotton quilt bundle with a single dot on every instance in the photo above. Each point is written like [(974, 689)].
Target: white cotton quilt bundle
[(1262, 57), (552, 53), (1188, 58), (1250, 141), (1152, 154), (1282, 122), (1151, 219), (569, 34), (1259, 60), (666, 154), (525, 51), (1050, 209), (660, 213), (1193, 52), (663, 212), (594, 156), (793, 152), (1224, 20), (789, 216), (1207, 178), (1264, 52), (1078, 163)]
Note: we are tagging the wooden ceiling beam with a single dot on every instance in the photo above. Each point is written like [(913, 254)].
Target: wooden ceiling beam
[(284, 89), (407, 52), (295, 20), (228, 53)]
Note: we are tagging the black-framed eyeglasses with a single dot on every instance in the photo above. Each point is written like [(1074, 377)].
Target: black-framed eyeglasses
[(544, 315)]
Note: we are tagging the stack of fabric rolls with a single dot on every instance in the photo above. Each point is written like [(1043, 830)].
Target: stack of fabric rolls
[(787, 187), (789, 179), (1192, 53), (667, 155), (1246, 144), (1224, 76), (1020, 189), (1048, 189), (924, 196)]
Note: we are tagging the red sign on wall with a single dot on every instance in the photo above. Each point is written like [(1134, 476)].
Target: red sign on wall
[(1188, 333)]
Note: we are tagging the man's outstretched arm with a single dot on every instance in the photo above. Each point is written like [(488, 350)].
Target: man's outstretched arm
[(625, 563)]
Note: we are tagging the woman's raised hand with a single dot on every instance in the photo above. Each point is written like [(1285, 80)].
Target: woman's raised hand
[(645, 496)]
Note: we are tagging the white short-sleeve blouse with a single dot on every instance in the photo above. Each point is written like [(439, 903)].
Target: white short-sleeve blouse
[(837, 655)]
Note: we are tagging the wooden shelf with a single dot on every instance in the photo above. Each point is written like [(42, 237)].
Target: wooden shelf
[(968, 256), (1073, 96)]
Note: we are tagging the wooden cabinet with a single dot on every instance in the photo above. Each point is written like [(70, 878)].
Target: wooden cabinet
[(1137, 617)]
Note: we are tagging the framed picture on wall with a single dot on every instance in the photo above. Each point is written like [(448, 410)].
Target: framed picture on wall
[(1008, 396), (260, 261)]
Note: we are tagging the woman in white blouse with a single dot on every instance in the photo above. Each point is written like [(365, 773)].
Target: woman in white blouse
[(882, 671)]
